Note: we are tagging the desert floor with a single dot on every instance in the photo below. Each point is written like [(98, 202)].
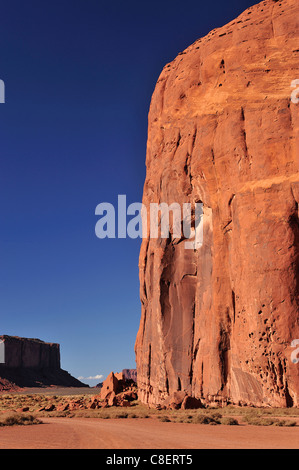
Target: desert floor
[(94, 433)]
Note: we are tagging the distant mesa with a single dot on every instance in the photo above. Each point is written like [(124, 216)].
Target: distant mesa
[(99, 385), (130, 374), (30, 362)]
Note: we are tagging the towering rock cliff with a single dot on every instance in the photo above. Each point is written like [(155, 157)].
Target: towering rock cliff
[(217, 322)]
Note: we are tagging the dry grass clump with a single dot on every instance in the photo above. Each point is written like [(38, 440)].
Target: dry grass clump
[(207, 419), (19, 419), (197, 417), (164, 419), (36, 401), (232, 410), (228, 420), (103, 413), (262, 421)]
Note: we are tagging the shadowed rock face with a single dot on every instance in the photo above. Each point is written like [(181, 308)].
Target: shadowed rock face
[(31, 362), (217, 323), (30, 353), (130, 374)]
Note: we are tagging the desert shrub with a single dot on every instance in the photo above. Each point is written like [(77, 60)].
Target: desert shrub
[(121, 415), (184, 419), (164, 419), (258, 421), (19, 419), (261, 421), (216, 415), (281, 411), (285, 422), (101, 414), (142, 415), (205, 419), (229, 421)]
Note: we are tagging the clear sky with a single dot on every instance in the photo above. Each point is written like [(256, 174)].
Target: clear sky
[(79, 75)]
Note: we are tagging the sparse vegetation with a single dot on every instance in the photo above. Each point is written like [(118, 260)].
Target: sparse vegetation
[(246, 410), (47, 405), (261, 421), (228, 420), (206, 419), (164, 419), (19, 419)]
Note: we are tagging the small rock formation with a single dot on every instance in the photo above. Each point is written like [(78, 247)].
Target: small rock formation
[(110, 385), (217, 322), (125, 374), (180, 400), (174, 400), (116, 391), (29, 362)]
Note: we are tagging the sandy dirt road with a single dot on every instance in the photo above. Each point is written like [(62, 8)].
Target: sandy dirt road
[(92, 433)]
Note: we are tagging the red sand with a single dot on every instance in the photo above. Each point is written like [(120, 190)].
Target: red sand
[(93, 433)]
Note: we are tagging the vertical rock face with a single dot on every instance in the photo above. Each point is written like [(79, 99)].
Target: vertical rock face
[(218, 322), (28, 362), (30, 353)]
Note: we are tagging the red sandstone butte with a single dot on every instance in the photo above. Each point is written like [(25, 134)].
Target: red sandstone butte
[(217, 323), (30, 362)]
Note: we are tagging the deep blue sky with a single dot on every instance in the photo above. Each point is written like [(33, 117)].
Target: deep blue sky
[(79, 75)]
